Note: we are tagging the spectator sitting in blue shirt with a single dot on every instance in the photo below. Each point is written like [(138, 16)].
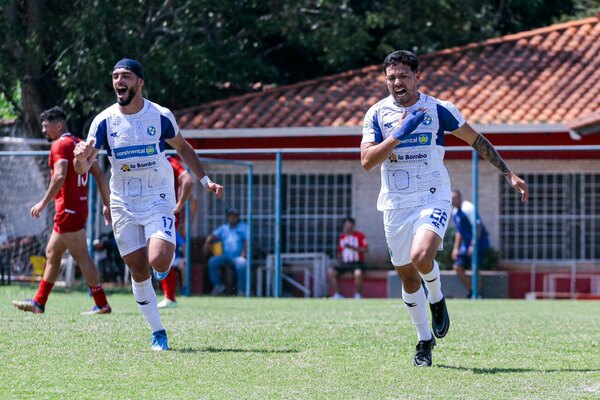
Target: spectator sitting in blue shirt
[(464, 217), (233, 238)]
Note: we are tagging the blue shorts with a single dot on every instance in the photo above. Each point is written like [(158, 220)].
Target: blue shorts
[(463, 260)]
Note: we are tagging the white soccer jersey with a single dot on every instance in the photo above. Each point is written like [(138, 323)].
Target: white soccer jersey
[(414, 174), (141, 176)]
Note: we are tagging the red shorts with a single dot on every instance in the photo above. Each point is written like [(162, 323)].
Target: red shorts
[(70, 221)]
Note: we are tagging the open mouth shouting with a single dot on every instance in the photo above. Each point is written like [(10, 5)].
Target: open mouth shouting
[(124, 94), (121, 91), (401, 93)]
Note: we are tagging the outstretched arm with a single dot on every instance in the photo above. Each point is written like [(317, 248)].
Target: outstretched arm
[(190, 158), (487, 151)]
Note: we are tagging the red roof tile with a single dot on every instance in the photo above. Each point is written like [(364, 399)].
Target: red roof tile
[(547, 75)]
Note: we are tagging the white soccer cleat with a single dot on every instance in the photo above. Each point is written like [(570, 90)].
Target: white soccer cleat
[(167, 303)]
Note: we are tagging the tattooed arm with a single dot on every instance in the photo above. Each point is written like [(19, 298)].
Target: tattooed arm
[(487, 151)]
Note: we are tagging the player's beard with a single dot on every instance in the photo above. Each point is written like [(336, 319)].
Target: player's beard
[(124, 101)]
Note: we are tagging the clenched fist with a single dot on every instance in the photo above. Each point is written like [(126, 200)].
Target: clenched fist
[(84, 149)]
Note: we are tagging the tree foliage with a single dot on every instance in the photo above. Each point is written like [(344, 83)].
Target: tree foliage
[(61, 52)]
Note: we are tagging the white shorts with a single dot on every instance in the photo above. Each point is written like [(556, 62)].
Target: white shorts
[(401, 225), (133, 230)]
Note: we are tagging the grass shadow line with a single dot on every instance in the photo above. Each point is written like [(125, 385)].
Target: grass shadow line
[(484, 371), (211, 349)]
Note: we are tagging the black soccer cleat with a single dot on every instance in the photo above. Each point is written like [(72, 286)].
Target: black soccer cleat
[(423, 354), (440, 320)]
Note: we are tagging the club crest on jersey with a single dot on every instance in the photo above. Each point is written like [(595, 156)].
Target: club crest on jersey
[(427, 120), (151, 131)]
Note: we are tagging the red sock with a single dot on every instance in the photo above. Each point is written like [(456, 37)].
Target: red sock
[(43, 292), (169, 285), (99, 295)]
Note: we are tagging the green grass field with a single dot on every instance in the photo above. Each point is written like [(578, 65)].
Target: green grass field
[(234, 348)]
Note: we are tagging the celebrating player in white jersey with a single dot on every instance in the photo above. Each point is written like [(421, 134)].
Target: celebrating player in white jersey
[(134, 131), (405, 134)]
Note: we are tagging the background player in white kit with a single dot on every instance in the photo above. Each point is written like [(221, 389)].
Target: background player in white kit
[(134, 131), (405, 134)]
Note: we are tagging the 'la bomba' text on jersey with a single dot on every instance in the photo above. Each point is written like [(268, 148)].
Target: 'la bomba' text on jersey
[(414, 174), (141, 177), (72, 196)]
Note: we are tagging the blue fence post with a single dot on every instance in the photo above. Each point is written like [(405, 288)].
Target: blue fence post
[(188, 251), (475, 257), (249, 239), (278, 277)]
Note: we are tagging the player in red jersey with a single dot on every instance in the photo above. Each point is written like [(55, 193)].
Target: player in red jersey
[(184, 184), (69, 191), (352, 246)]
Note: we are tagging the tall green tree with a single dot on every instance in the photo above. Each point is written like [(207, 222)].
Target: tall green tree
[(62, 52)]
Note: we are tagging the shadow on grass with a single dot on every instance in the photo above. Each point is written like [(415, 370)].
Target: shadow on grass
[(485, 371), (229, 350)]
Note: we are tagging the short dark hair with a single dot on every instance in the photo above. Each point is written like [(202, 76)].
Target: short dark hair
[(53, 114), (350, 219), (232, 211), (401, 57)]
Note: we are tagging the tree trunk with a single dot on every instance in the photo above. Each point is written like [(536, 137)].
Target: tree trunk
[(32, 108)]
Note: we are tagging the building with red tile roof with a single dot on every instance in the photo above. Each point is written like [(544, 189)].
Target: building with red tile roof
[(539, 87), (546, 76)]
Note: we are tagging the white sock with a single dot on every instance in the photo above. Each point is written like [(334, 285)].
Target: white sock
[(415, 305), (433, 282), (145, 296)]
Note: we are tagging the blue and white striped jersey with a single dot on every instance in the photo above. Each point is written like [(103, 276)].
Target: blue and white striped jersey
[(141, 176), (414, 174)]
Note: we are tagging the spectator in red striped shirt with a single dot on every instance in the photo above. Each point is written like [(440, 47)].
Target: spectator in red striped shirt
[(352, 246)]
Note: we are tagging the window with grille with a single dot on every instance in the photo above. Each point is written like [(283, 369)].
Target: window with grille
[(313, 209), (561, 221)]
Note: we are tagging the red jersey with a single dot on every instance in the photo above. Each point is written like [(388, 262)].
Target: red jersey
[(178, 170), (72, 196), (355, 240)]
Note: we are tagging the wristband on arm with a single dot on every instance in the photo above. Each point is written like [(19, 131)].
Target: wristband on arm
[(205, 180)]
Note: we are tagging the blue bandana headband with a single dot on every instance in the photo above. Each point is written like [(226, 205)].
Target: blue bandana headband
[(131, 65)]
